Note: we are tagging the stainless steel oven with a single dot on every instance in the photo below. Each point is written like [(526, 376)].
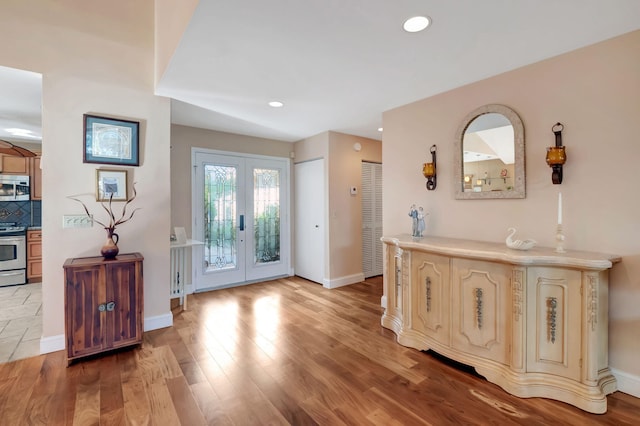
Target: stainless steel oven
[(13, 254)]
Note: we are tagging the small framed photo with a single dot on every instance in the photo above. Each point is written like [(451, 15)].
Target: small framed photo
[(111, 141), (111, 185)]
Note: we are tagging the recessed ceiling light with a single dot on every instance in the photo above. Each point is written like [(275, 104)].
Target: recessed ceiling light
[(379, 129), (276, 104), (416, 24)]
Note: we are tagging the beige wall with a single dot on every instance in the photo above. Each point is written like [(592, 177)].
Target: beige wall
[(343, 251), (595, 93), (95, 57), (345, 210)]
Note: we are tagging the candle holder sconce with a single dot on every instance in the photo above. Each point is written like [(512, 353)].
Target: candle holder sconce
[(556, 155), (429, 170)]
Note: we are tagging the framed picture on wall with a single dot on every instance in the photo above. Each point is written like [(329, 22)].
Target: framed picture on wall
[(111, 141), (111, 185)]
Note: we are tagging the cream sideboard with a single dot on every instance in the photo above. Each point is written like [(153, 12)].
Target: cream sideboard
[(533, 322)]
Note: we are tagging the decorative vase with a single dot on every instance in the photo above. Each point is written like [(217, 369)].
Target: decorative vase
[(110, 249)]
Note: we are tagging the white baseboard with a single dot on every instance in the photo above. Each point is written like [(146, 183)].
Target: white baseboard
[(57, 343), (342, 281), (627, 383), (383, 302), (52, 344), (159, 321)]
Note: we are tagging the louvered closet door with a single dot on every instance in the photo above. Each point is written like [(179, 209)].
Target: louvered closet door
[(371, 219)]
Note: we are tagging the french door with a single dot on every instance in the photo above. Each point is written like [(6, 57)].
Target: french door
[(240, 212)]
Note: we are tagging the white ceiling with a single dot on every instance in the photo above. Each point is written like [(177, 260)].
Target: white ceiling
[(20, 104), (338, 64)]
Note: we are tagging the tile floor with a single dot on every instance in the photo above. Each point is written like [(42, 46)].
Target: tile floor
[(20, 321)]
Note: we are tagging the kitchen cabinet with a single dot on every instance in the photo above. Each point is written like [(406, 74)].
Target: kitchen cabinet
[(533, 322), (27, 166), (35, 178), (16, 165), (103, 304), (34, 255)]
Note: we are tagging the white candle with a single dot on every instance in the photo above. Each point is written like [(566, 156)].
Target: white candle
[(560, 208)]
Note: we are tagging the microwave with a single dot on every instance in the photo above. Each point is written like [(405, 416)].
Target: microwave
[(14, 188)]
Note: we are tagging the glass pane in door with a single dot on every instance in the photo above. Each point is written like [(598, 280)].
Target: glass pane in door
[(220, 232), (266, 215)]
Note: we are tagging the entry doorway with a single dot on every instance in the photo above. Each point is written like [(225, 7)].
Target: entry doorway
[(241, 213)]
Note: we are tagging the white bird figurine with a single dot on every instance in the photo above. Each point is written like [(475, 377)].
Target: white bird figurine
[(519, 244)]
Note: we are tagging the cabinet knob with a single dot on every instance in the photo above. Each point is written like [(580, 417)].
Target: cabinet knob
[(111, 306), (102, 307)]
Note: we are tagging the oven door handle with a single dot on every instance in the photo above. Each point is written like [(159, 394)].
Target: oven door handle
[(5, 240), (10, 273)]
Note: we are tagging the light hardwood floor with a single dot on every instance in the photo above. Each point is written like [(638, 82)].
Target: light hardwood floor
[(277, 353)]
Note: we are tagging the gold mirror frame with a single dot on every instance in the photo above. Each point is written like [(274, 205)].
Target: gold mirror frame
[(518, 190)]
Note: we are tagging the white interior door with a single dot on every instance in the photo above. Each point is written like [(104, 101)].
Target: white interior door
[(310, 229), (240, 212)]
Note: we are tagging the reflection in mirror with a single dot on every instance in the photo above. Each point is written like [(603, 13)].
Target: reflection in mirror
[(490, 154)]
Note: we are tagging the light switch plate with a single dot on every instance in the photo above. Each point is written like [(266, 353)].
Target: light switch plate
[(77, 221)]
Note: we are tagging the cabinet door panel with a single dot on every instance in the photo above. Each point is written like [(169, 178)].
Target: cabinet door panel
[(34, 268), (84, 294), (394, 279), (124, 305), (481, 308), (36, 178), (15, 165), (430, 298), (554, 330)]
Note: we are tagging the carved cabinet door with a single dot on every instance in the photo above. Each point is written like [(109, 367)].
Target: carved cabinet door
[(553, 321), (430, 295), (481, 308)]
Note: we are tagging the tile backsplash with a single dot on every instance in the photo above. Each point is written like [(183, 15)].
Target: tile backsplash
[(24, 213)]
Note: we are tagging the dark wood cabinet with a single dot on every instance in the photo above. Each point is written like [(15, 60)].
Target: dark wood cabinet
[(103, 304)]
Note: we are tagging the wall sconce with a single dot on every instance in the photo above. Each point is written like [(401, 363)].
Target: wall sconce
[(429, 170), (556, 156)]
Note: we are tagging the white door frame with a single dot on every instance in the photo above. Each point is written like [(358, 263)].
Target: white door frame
[(285, 214)]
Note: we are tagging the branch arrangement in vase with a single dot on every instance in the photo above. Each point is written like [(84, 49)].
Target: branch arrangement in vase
[(113, 223)]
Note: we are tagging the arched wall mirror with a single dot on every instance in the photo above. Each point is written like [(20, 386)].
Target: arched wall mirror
[(489, 154)]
